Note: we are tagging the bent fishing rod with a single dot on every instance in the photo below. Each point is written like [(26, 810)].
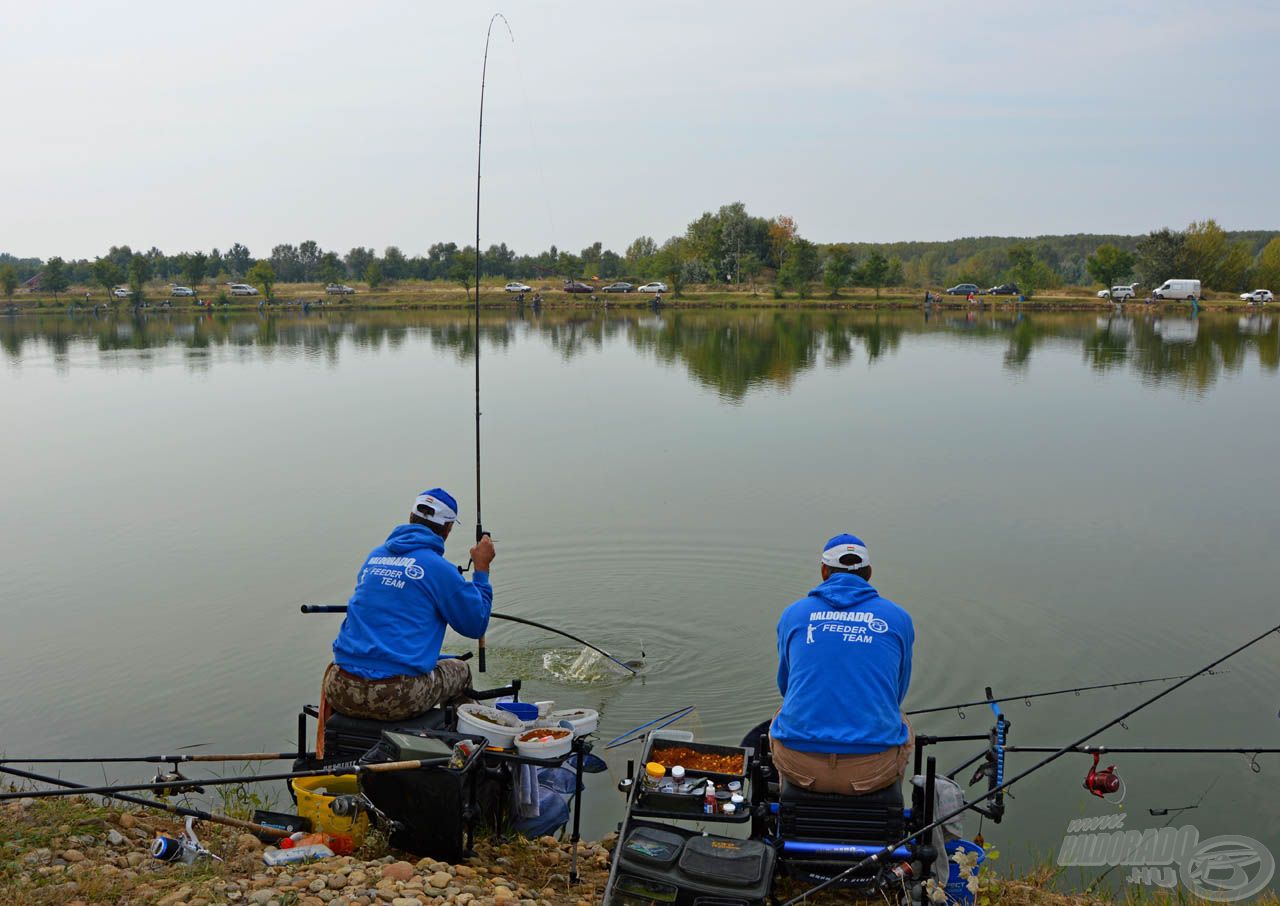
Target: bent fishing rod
[(1027, 697), (184, 811), (163, 787), (163, 759), (875, 859), (342, 608)]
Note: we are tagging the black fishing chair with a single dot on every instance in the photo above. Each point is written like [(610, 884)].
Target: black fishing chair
[(820, 835)]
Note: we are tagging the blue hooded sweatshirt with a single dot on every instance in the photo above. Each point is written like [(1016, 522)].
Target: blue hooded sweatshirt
[(406, 593), (844, 664)]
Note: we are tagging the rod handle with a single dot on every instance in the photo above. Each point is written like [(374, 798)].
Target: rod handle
[(323, 608)]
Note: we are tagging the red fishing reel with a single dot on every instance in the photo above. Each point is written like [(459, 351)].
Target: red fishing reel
[(1102, 782)]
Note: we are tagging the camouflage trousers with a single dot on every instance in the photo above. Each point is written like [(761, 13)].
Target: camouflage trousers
[(395, 697)]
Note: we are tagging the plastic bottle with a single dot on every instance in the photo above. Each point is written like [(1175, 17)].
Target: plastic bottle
[(736, 800), (297, 854), (341, 844), (653, 774), (709, 799)]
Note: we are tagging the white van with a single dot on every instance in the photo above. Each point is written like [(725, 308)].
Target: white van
[(244, 289), (1178, 289)]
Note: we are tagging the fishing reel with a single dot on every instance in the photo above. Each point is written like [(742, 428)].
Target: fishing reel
[(186, 849), (1103, 782), (175, 783)]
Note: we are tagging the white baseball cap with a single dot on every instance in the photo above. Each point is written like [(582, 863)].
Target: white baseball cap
[(437, 506), (846, 552)]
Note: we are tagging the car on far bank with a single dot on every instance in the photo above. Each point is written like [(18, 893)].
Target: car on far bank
[(1177, 288), (1119, 293), (122, 292), (963, 289), (181, 291), (515, 286), (339, 289), (577, 286), (657, 286), (1258, 295), (1005, 289), (242, 289), (620, 287)]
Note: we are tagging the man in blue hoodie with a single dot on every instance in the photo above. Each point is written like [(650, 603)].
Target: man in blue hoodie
[(386, 659), (844, 664)]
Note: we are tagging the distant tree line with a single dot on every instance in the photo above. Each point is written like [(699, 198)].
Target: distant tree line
[(728, 247)]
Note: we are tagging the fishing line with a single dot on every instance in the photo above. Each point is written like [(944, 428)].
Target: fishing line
[(1028, 696), (886, 852)]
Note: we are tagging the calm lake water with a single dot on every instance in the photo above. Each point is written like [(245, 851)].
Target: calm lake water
[(1057, 499)]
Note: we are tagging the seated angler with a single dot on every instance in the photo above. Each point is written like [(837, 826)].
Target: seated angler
[(844, 663), (386, 659)]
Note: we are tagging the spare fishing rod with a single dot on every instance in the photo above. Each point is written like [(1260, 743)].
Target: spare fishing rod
[(886, 853), (342, 608), (163, 787), (201, 814), (1027, 697), (162, 759)]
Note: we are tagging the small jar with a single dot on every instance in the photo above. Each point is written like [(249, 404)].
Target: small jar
[(653, 775), (736, 800), (729, 809)]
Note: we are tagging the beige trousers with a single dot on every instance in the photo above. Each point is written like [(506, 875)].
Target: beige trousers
[(853, 775)]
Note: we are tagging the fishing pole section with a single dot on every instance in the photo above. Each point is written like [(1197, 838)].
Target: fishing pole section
[(631, 668)]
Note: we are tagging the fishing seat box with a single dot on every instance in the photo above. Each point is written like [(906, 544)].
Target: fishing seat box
[(433, 806), (669, 866), (347, 738), (872, 819)]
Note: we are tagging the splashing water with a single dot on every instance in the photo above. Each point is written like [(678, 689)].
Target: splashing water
[(585, 666)]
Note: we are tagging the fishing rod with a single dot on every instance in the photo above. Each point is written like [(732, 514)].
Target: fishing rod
[(184, 811), (875, 859), (1151, 750), (163, 759), (342, 608), (111, 790), (484, 75), (1027, 697)]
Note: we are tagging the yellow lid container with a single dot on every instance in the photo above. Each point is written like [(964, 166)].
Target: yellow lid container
[(655, 770), (316, 794)]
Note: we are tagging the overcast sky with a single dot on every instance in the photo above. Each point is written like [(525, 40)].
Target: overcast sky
[(197, 125)]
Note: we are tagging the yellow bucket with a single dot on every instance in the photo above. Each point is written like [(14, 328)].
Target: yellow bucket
[(316, 794)]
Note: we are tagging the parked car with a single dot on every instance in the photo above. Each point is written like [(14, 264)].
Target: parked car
[(181, 291), (1177, 289), (242, 289), (122, 292), (1119, 293), (339, 289), (516, 286), (1258, 295), (963, 289), (1005, 289), (657, 286), (620, 287), (577, 286)]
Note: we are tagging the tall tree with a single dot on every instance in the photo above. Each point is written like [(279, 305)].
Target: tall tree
[(800, 267), (1109, 264), (463, 269), (54, 276), (194, 267), (394, 265), (373, 274), (309, 254), (874, 270), (838, 269), (1158, 256), (330, 268), (139, 273), (107, 274), (8, 280), (263, 276), (238, 260), (1267, 270), (357, 260), (287, 263), (782, 229), (639, 252)]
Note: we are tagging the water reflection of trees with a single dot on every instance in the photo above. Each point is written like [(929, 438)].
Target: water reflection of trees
[(728, 351)]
